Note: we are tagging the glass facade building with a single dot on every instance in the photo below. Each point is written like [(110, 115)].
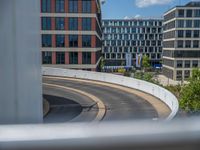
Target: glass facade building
[(136, 36), (71, 33), (181, 46)]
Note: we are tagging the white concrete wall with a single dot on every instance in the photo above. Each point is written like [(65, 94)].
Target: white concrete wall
[(157, 91), (20, 61)]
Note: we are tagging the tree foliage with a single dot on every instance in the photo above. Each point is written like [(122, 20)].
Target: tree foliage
[(190, 94), (145, 62)]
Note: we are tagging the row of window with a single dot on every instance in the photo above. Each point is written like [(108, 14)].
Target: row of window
[(132, 49), (60, 40), (72, 6), (61, 58), (188, 24), (123, 55), (132, 23), (182, 53), (182, 34), (133, 43), (181, 63), (122, 30), (73, 23), (132, 36), (181, 44)]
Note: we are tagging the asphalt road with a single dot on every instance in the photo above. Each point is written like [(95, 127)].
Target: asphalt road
[(67, 105)]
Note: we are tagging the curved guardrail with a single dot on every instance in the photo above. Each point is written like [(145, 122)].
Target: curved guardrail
[(164, 95)]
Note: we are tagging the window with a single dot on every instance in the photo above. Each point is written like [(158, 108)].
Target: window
[(179, 75), (46, 40), (196, 23), (189, 13), (195, 44), (73, 57), (60, 6), (195, 63), (180, 33), (186, 74), (86, 24), (46, 57), (196, 33), (197, 13), (60, 57), (60, 23), (188, 33), (73, 23), (187, 44), (180, 44), (187, 64), (73, 6), (181, 13), (180, 23), (86, 6), (86, 41), (60, 41), (46, 6), (46, 23), (188, 23), (73, 40), (86, 58), (179, 64)]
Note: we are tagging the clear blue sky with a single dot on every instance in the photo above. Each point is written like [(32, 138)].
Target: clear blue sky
[(119, 9)]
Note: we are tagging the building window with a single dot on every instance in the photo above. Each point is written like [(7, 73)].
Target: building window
[(186, 74), (189, 13), (179, 75), (46, 57), (86, 57), (46, 40), (60, 57), (196, 33), (60, 23), (179, 64), (197, 13), (86, 6), (60, 6), (195, 44), (60, 40), (46, 6), (181, 13), (73, 57), (86, 24), (46, 23), (196, 23), (180, 44), (195, 63), (73, 23), (180, 33), (187, 44), (73, 6), (188, 23), (73, 40), (86, 41), (187, 64), (188, 34), (180, 23)]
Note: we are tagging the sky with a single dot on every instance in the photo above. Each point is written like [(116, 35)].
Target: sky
[(122, 9)]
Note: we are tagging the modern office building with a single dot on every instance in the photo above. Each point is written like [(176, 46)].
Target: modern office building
[(135, 36), (181, 51), (71, 33)]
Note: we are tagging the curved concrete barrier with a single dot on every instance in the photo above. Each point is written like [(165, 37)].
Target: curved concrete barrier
[(164, 95)]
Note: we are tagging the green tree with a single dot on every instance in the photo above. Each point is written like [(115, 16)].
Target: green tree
[(190, 94), (145, 62), (102, 64)]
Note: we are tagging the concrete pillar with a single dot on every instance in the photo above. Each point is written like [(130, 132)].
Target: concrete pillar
[(20, 62)]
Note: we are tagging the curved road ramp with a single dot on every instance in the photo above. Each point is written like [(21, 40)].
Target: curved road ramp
[(144, 87)]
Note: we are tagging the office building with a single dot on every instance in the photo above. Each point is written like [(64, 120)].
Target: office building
[(71, 33), (181, 51), (135, 36)]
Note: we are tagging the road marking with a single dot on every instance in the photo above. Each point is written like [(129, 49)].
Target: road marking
[(161, 108), (101, 107)]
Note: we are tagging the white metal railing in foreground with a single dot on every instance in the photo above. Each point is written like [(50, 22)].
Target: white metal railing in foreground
[(164, 95), (175, 135)]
